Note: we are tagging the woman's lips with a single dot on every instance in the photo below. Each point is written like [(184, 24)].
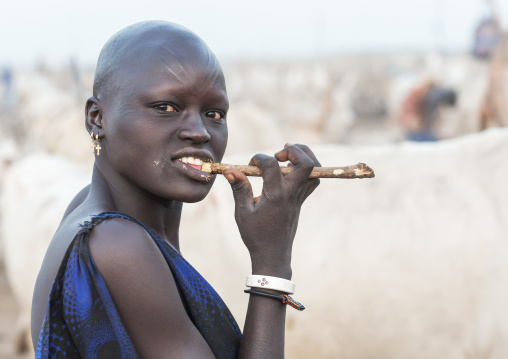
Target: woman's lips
[(193, 171)]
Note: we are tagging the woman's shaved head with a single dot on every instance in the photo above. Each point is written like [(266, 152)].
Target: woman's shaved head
[(139, 45)]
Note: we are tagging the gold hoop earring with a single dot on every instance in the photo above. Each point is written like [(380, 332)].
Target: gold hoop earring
[(93, 143), (98, 146)]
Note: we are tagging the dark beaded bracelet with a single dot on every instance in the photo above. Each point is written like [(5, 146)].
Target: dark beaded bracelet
[(285, 299)]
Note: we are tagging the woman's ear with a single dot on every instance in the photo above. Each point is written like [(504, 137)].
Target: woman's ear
[(93, 115)]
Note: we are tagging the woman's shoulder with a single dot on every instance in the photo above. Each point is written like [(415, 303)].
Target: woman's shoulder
[(117, 239)]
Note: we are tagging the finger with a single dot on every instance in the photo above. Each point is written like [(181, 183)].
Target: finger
[(307, 151), (270, 169), (287, 145), (242, 189), (302, 162)]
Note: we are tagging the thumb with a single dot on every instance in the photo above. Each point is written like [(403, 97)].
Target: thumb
[(242, 189)]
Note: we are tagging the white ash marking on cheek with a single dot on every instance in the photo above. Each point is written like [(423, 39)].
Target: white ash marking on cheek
[(161, 163), (208, 178)]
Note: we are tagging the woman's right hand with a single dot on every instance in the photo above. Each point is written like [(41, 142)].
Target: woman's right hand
[(268, 223)]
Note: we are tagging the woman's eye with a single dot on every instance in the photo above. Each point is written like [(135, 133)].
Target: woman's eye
[(216, 115), (166, 108)]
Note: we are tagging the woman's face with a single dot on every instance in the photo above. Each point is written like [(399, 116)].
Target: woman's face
[(167, 116)]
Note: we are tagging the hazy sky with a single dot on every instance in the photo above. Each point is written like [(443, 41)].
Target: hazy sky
[(54, 30)]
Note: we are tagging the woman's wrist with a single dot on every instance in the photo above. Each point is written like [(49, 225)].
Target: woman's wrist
[(275, 262), (280, 269)]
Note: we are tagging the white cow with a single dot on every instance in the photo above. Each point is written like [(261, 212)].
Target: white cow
[(411, 264), (35, 194), (8, 153)]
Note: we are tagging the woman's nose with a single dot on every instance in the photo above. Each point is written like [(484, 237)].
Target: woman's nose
[(194, 130)]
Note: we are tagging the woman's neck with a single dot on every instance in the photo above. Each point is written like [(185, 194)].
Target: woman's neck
[(112, 193)]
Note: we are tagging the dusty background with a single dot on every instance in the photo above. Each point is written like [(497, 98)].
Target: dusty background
[(349, 100)]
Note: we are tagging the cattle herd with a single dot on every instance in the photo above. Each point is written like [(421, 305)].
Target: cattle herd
[(410, 264)]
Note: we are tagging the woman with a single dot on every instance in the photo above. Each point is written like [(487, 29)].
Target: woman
[(122, 289)]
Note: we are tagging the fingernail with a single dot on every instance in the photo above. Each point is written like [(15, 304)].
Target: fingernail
[(288, 144), (229, 177)]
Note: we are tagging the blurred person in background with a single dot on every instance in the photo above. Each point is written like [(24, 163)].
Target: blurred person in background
[(486, 38), (420, 110)]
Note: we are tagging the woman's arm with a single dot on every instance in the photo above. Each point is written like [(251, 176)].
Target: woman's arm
[(268, 225), (145, 293)]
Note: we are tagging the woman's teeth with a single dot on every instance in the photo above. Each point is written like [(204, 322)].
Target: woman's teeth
[(193, 162)]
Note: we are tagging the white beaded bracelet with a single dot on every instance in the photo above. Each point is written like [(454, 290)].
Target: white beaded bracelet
[(264, 281)]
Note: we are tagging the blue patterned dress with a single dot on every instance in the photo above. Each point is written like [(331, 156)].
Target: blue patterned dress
[(82, 321)]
